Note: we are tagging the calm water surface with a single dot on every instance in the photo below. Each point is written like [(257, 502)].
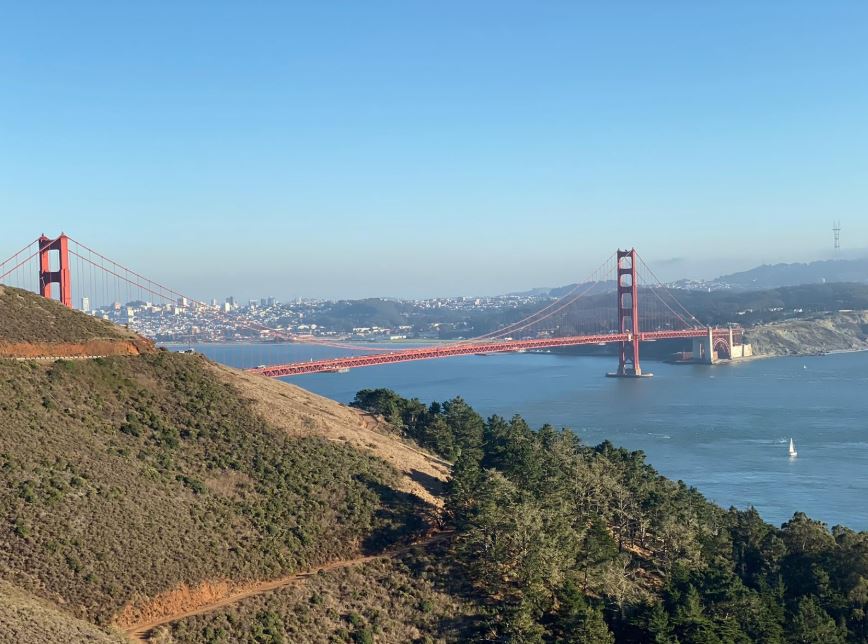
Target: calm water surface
[(723, 429)]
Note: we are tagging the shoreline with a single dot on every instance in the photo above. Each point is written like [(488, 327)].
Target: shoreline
[(766, 356)]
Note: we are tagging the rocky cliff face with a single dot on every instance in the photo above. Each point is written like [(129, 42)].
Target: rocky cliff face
[(840, 331)]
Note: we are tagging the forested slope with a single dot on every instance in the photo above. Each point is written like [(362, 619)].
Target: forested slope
[(563, 542)]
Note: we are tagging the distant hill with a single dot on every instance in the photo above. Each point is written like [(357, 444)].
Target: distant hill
[(560, 291), (776, 275), (767, 276)]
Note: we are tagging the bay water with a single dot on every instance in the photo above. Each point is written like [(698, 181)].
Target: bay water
[(723, 429)]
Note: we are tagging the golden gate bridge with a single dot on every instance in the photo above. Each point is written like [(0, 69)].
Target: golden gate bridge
[(601, 310)]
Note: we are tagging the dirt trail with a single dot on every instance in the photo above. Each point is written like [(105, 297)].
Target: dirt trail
[(141, 632)]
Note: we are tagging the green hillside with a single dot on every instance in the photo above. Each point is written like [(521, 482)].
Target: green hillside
[(124, 477)]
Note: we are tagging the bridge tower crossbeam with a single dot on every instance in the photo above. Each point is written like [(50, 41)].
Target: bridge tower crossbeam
[(61, 276)]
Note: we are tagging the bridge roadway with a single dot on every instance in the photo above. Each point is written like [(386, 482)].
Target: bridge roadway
[(468, 348)]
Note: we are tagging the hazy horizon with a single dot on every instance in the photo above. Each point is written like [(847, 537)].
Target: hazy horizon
[(344, 151)]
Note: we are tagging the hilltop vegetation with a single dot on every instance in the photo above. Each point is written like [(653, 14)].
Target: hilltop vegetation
[(32, 326), (25, 317), (758, 307), (777, 275)]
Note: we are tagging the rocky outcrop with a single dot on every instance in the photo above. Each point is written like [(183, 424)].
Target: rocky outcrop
[(838, 331)]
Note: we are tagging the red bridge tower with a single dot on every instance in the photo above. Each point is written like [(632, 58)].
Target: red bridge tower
[(628, 316), (47, 277)]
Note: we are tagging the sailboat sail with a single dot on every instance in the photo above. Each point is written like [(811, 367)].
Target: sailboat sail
[(793, 451)]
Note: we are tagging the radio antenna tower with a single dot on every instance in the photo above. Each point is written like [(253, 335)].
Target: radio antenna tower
[(836, 233)]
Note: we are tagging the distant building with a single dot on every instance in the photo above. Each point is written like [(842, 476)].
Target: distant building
[(85, 304), (231, 301)]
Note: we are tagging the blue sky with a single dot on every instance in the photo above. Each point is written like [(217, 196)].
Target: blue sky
[(418, 148)]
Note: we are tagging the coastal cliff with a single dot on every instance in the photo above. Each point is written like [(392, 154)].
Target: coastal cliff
[(822, 333)]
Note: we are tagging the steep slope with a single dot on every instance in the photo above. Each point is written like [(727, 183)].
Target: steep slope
[(302, 413), (25, 619), (125, 477), (842, 331), (386, 600), (128, 482)]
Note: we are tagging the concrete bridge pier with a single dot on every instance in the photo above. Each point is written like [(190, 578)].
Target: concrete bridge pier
[(703, 348), (708, 350)]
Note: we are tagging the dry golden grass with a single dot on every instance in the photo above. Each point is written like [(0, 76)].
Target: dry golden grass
[(302, 413), (25, 619)]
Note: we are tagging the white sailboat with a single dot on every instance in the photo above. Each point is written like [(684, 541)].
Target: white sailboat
[(793, 452)]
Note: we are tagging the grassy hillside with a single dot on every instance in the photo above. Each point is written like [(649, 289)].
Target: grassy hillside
[(24, 317), (402, 600), (32, 326), (125, 477), (25, 619)]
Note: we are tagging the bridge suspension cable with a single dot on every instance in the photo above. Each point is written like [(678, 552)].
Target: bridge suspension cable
[(656, 284), (156, 288), (585, 314), (555, 307)]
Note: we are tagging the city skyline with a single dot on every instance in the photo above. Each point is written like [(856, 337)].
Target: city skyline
[(348, 151)]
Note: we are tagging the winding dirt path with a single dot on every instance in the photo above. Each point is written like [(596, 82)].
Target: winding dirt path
[(142, 632)]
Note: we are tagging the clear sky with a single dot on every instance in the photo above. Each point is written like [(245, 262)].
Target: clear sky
[(432, 148)]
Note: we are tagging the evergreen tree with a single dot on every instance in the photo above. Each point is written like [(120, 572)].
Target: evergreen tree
[(576, 621), (658, 627), (813, 625)]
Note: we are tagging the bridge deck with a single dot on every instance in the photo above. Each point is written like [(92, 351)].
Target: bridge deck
[(468, 348)]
